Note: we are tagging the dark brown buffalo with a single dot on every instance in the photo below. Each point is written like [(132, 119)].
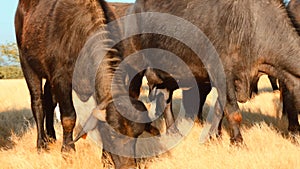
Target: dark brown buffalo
[(50, 36), (293, 9), (252, 38), (35, 37)]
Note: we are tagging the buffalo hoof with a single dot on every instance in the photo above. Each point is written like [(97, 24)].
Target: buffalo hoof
[(294, 132), (294, 129), (237, 140), (68, 152), (42, 145), (51, 140), (200, 120), (238, 143), (219, 134), (68, 148), (294, 135), (51, 136)]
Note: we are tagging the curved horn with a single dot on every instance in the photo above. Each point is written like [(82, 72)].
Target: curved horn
[(91, 123)]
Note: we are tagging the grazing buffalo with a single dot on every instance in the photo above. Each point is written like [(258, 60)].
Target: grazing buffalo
[(51, 36), (293, 9), (251, 38)]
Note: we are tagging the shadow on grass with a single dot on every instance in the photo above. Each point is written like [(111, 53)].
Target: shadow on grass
[(253, 117), (14, 122)]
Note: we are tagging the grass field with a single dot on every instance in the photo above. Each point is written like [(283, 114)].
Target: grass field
[(264, 130)]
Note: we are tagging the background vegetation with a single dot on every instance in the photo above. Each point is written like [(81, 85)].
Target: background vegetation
[(9, 62)]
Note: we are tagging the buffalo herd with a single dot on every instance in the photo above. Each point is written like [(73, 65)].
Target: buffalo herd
[(73, 46)]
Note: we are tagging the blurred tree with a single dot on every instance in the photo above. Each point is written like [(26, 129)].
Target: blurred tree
[(9, 54), (9, 62), (10, 72)]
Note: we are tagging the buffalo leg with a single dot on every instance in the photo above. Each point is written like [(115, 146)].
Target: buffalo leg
[(164, 104), (68, 115), (273, 82), (283, 94), (49, 105), (169, 115), (204, 90), (34, 83), (234, 119), (135, 85), (219, 134), (232, 113), (290, 109), (254, 87), (190, 103), (213, 122), (163, 101)]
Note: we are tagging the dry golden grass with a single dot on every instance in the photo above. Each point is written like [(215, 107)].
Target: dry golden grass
[(14, 95), (263, 129)]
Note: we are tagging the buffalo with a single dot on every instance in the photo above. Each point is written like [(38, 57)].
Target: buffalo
[(251, 38), (51, 37), (34, 38), (292, 9)]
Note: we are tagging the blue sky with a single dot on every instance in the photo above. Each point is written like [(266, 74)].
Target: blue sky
[(7, 13)]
